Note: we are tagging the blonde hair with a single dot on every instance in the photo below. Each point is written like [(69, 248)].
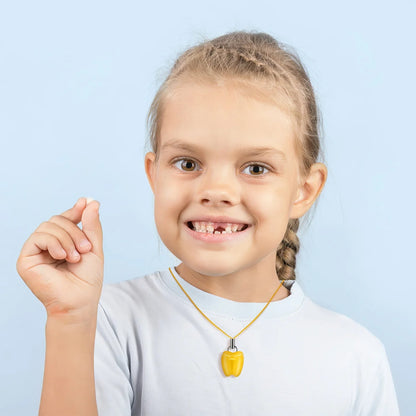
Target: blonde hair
[(262, 66)]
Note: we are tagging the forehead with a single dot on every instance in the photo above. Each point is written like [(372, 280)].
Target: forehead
[(225, 116)]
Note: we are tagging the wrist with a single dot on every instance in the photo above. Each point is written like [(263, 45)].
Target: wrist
[(82, 318)]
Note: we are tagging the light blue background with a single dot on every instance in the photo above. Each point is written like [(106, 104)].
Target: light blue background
[(76, 81)]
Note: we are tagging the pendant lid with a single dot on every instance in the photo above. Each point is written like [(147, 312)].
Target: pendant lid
[(232, 345)]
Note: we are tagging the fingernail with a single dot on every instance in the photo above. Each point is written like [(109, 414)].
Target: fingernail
[(89, 200), (85, 244)]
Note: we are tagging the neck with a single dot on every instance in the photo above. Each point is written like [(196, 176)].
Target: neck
[(248, 285)]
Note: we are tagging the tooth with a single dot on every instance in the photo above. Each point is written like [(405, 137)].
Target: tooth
[(208, 227), (232, 363)]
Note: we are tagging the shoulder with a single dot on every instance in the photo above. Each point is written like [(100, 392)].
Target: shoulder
[(130, 296), (362, 357), (344, 333), (131, 288)]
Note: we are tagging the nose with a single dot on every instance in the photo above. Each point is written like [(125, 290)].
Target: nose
[(218, 187)]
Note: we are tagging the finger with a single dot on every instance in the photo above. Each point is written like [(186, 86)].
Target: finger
[(91, 226), (35, 244), (64, 238), (74, 213), (41, 241), (81, 242)]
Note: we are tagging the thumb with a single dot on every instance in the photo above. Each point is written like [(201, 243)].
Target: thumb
[(91, 226)]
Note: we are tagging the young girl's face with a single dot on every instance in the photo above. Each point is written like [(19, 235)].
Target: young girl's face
[(224, 154)]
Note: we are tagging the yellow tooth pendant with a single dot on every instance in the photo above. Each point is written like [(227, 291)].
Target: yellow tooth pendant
[(232, 361)]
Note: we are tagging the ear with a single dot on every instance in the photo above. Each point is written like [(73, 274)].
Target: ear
[(309, 190), (150, 168)]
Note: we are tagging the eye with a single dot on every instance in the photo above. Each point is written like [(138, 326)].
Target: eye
[(185, 164), (258, 169)]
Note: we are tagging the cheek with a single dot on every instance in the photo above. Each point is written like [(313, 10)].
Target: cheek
[(167, 191), (168, 203), (269, 201)]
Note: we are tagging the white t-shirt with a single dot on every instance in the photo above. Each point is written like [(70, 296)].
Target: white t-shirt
[(156, 355)]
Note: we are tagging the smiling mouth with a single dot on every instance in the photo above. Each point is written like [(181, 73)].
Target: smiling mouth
[(219, 228)]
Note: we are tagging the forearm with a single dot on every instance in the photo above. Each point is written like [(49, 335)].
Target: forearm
[(68, 382)]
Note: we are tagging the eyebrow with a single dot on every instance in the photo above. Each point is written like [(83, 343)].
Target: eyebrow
[(252, 151)]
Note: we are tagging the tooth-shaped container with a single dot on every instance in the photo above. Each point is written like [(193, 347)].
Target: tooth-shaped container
[(232, 362)]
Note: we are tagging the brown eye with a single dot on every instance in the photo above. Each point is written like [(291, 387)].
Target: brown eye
[(185, 164), (256, 169)]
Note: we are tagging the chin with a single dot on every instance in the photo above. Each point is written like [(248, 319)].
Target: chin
[(209, 269)]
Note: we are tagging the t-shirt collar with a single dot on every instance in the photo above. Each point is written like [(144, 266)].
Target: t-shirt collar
[(238, 310)]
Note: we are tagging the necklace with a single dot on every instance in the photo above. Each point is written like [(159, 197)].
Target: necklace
[(231, 361)]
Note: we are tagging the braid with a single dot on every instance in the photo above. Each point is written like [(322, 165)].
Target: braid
[(253, 57), (286, 252), (249, 57)]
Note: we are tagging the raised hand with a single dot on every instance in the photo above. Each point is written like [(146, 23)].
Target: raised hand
[(62, 272)]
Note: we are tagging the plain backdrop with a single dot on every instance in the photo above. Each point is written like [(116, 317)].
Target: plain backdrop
[(76, 81)]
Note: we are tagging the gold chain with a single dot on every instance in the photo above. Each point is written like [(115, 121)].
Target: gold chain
[(206, 317)]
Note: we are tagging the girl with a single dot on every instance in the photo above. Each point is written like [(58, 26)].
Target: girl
[(229, 330)]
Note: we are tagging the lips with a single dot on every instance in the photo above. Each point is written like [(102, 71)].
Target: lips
[(217, 237), (218, 225), (217, 219)]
